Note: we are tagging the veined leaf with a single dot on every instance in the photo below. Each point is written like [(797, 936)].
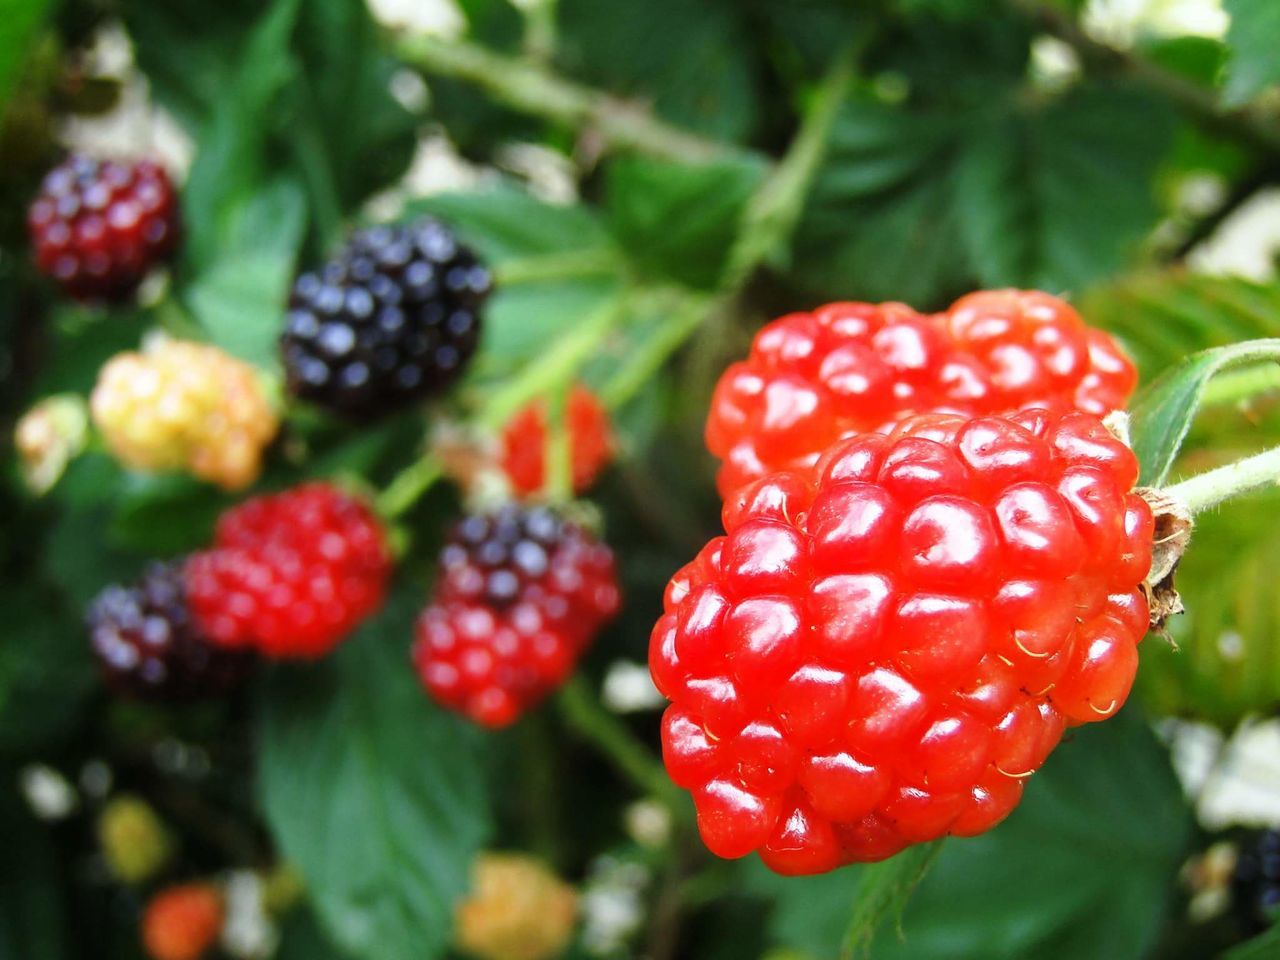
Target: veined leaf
[(1254, 37)]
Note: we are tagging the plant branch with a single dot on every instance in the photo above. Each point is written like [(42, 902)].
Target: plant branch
[(410, 484), (527, 87), (1239, 386), (1245, 124), (1240, 193), (585, 715), (1206, 490), (773, 212)]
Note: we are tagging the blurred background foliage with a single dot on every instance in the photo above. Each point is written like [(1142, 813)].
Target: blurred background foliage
[(607, 157)]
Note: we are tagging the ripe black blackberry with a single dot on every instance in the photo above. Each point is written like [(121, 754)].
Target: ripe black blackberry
[(148, 647), (1255, 885), (490, 556), (392, 319)]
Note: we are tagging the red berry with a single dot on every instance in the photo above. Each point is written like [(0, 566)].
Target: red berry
[(847, 368), (291, 573), (182, 923), (98, 226), (521, 595), (524, 442), (882, 647)]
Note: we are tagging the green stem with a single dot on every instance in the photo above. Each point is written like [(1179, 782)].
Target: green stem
[(773, 212), (410, 484), (1213, 487), (558, 365), (573, 265), (685, 317), (557, 456), (585, 715), (530, 88)]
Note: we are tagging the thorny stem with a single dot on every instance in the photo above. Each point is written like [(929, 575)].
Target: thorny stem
[(529, 88), (1207, 490)]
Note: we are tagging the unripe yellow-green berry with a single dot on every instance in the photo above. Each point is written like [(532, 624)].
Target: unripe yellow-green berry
[(48, 437), (185, 406), (517, 910), (135, 843)]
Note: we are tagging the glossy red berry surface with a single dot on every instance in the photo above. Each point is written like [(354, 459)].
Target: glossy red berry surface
[(846, 368), (882, 648), (291, 573), (521, 595), (524, 442), (98, 226)]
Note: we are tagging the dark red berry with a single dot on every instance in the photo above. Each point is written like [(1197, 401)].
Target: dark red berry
[(521, 594), (144, 639), (391, 320), (290, 574), (882, 648), (847, 368), (98, 226)]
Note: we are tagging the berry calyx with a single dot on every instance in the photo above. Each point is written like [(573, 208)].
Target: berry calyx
[(183, 922), (524, 442), (391, 320), (847, 368), (517, 910), (185, 406), (882, 649), (97, 227), (148, 647), (290, 574), (521, 594)]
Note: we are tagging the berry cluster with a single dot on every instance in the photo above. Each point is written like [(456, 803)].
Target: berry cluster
[(185, 406), (882, 648), (97, 227), (391, 320), (290, 574), (521, 594), (517, 908), (1255, 884), (183, 922), (524, 442), (846, 368), (148, 647)]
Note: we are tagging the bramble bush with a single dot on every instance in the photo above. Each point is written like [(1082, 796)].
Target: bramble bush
[(358, 533)]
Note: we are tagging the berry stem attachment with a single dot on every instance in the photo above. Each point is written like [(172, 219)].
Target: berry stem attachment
[(1206, 490), (410, 484), (587, 717)]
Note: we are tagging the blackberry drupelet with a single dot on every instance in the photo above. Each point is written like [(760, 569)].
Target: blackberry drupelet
[(391, 320), (148, 646)]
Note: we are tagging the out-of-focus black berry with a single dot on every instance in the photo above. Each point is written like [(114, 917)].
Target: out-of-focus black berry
[(1255, 885), (143, 637), (391, 320), (491, 555)]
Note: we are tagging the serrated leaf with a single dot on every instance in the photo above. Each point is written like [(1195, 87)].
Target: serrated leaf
[(1254, 37), (690, 58), (373, 793), (1084, 867), (679, 221), (1163, 412)]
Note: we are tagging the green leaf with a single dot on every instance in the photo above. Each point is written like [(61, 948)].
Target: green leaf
[(1085, 867), (1163, 412), (375, 794), (1164, 315), (1254, 37), (239, 298), (690, 58), (45, 670), (1263, 947), (921, 204), (680, 221), (17, 29), (33, 924), (883, 892)]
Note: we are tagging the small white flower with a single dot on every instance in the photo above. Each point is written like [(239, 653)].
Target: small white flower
[(48, 793), (628, 688)]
